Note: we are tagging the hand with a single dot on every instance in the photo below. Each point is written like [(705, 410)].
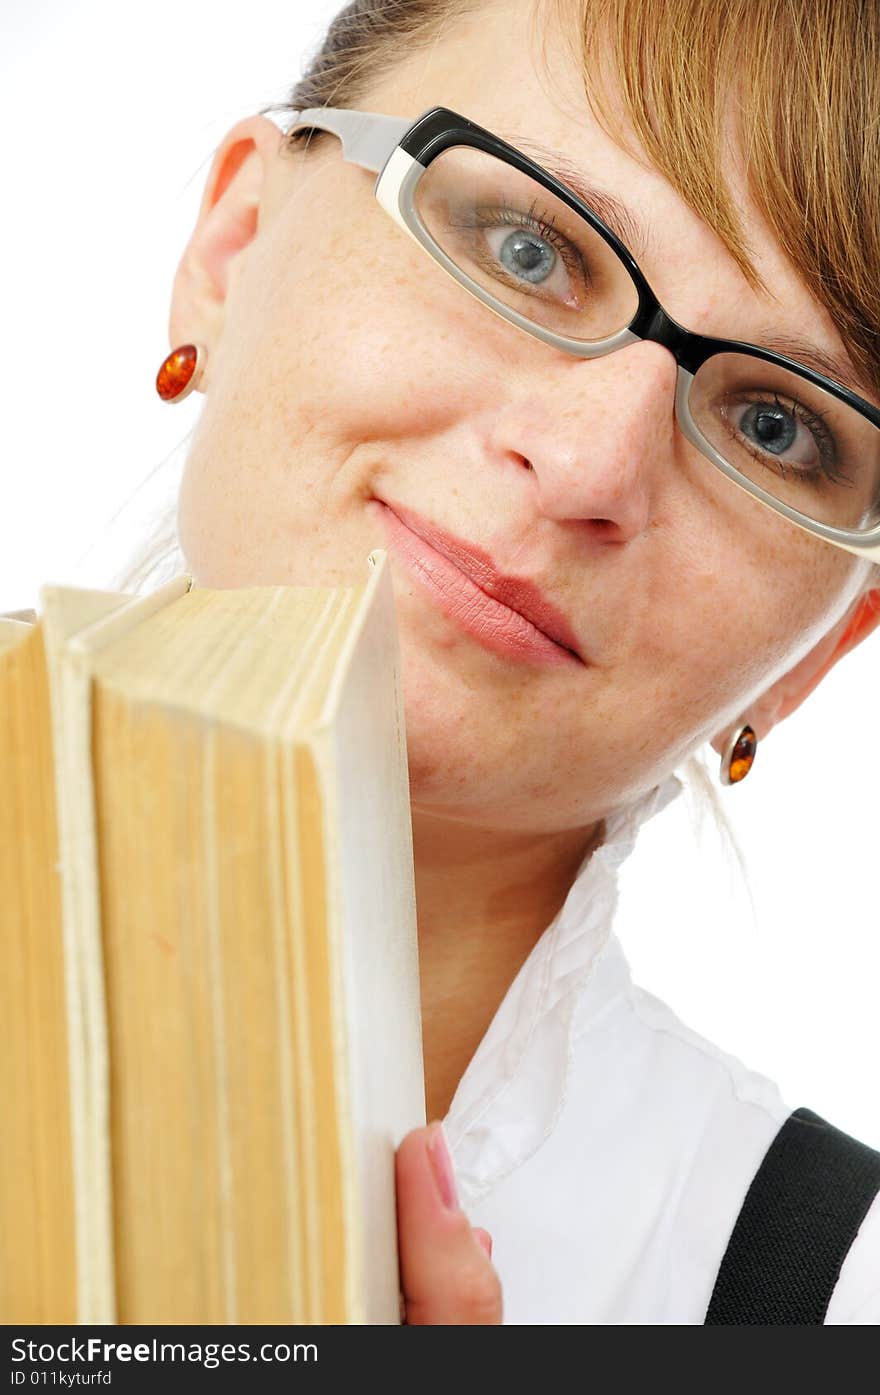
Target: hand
[(445, 1268)]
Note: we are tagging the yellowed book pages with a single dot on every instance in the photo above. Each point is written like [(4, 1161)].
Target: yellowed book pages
[(240, 923), (65, 614), (37, 1240), (54, 1191)]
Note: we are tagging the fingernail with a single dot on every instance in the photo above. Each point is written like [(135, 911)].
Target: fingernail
[(441, 1166), (484, 1238)]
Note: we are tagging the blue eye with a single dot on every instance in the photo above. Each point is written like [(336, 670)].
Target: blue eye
[(524, 250), (769, 426), (787, 436), (523, 255)]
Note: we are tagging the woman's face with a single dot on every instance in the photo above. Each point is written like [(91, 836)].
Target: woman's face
[(345, 368)]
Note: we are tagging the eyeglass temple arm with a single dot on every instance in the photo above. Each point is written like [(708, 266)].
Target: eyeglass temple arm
[(367, 138)]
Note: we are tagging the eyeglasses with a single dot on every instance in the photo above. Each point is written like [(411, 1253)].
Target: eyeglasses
[(534, 252)]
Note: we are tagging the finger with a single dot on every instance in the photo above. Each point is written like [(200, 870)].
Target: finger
[(446, 1273)]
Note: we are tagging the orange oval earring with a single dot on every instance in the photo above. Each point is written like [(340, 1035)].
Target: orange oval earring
[(181, 372), (739, 755)]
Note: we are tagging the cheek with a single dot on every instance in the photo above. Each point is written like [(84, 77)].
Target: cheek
[(318, 379), (753, 601), (314, 364)]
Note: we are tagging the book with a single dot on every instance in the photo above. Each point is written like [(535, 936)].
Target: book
[(208, 955)]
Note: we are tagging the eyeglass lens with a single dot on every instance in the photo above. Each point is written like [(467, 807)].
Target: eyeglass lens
[(529, 252)]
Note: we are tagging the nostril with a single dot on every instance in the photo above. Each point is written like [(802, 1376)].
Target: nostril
[(605, 529)]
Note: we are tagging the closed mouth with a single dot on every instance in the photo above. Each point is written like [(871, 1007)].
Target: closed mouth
[(516, 593)]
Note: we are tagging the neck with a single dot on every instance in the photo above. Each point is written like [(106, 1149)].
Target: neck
[(484, 897)]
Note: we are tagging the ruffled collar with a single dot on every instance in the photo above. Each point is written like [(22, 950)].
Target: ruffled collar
[(513, 1090)]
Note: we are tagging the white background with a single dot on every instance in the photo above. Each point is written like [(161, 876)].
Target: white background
[(109, 116)]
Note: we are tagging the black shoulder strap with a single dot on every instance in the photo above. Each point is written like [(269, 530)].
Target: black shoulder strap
[(800, 1216)]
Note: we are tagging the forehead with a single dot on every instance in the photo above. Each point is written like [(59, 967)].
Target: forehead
[(502, 66)]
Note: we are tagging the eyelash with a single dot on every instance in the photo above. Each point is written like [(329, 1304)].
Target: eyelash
[(815, 421), (539, 223)]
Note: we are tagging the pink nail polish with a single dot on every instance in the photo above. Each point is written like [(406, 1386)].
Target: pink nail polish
[(441, 1166), (484, 1239)]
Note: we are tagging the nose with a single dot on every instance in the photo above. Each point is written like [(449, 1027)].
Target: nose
[(600, 438)]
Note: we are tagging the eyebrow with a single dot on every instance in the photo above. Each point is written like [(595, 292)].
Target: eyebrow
[(637, 237), (835, 366), (634, 234)]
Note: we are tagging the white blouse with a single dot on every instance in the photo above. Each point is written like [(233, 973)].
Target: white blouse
[(605, 1146)]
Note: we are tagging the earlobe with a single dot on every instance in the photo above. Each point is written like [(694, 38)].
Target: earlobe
[(227, 222), (864, 619)]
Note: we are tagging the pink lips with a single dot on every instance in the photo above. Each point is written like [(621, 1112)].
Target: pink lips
[(508, 614)]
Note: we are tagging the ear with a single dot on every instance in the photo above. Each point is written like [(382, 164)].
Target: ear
[(234, 201), (793, 687)]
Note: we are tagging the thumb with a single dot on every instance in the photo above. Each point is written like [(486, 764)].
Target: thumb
[(445, 1270)]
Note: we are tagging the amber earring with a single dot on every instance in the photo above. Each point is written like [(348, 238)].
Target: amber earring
[(738, 755), (181, 372)]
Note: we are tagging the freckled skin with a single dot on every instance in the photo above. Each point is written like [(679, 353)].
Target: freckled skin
[(351, 366), (343, 365)]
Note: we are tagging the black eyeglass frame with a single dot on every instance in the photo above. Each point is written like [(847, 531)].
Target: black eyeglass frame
[(400, 151)]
